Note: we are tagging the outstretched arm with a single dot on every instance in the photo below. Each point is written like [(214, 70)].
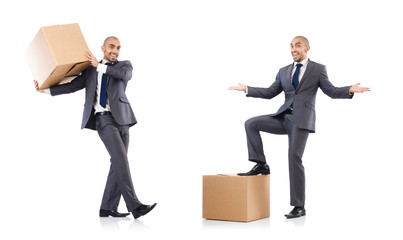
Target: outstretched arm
[(338, 92), (257, 92)]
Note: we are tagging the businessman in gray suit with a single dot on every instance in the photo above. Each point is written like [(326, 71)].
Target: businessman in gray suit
[(296, 117), (108, 111)]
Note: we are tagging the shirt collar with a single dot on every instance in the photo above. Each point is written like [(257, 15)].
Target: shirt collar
[(303, 62), (104, 61)]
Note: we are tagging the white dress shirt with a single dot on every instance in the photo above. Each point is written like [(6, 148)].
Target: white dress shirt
[(301, 69), (101, 69)]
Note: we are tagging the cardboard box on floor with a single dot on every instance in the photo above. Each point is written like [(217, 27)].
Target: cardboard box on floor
[(235, 198), (57, 54)]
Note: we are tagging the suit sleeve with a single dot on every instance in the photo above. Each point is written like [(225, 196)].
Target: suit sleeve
[(122, 71), (76, 84), (267, 93), (330, 90)]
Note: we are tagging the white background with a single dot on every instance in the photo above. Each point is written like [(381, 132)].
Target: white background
[(186, 54)]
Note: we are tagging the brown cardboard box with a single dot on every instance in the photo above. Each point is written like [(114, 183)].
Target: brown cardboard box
[(56, 54), (236, 198)]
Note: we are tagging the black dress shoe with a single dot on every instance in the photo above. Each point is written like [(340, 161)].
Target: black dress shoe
[(142, 210), (296, 212), (107, 213), (256, 170)]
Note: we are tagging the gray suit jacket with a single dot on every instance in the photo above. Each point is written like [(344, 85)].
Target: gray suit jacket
[(303, 98), (118, 76)]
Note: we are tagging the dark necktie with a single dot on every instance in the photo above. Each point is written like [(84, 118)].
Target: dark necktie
[(102, 97), (295, 76), (295, 79)]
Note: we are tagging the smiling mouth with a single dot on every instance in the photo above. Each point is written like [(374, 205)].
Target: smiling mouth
[(113, 55)]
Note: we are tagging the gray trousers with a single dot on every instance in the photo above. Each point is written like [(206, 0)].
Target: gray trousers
[(283, 124), (119, 182)]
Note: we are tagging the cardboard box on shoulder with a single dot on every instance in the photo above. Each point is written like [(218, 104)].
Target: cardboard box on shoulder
[(57, 54), (236, 198)]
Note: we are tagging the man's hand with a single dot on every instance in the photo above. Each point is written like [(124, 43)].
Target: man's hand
[(93, 61), (356, 89), (37, 87), (240, 87)]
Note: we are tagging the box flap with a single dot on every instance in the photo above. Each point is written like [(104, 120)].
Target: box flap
[(66, 80), (77, 69)]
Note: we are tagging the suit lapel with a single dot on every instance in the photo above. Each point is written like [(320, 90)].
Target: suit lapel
[(93, 80), (306, 73), (289, 71)]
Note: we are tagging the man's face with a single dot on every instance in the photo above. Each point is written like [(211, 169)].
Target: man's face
[(111, 50), (299, 50)]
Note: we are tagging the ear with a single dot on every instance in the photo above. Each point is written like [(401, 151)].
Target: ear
[(307, 48), (103, 48)]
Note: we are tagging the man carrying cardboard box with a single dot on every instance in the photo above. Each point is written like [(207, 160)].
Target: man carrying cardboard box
[(108, 111)]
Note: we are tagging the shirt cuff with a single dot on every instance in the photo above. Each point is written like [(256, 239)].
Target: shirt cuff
[(246, 91), (47, 91), (102, 68)]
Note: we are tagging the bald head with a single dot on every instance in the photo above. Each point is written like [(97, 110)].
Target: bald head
[(110, 38), (303, 39)]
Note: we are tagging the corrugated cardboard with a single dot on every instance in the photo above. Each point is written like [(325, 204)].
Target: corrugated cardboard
[(236, 198), (56, 54)]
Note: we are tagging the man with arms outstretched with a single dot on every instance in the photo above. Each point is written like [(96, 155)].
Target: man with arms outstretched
[(296, 117)]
